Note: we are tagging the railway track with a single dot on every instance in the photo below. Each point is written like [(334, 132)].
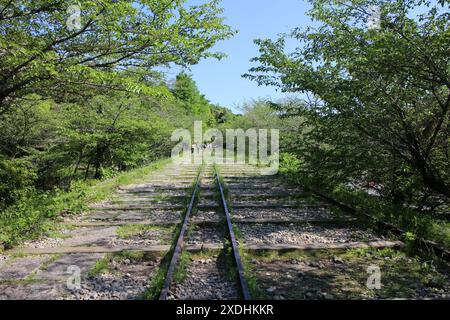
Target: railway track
[(220, 270), (241, 236), (266, 219), (291, 241)]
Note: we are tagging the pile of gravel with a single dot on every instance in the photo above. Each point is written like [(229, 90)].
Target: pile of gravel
[(208, 215), (294, 234), (42, 243), (127, 280), (204, 282), (206, 234)]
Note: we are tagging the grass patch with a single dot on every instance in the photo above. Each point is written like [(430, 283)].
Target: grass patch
[(18, 254), (101, 266), (181, 270), (57, 235), (132, 255)]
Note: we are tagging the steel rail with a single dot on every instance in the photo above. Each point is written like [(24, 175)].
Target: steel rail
[(237, 257), (180, 243)]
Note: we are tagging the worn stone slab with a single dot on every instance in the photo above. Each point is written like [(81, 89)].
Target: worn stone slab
[(217, 246), (326, 246), (128, 222), (92, 249), (132, 207), (20, 268), (100, 236), (31, 291), (59, 269), (279, 205)]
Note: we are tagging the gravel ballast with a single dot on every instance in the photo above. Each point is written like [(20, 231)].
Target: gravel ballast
[(295, 234), (205, 281)]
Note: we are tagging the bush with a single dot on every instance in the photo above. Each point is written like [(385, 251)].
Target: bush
[(34, 213), (289, 163), (15, 179)]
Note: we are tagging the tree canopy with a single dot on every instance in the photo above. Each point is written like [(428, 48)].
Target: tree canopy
[(83, 98), (377, 99), (41, 54)]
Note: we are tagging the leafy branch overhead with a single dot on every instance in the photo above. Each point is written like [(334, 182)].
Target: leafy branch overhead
[(83, 97), (387, 89), (40, 54)]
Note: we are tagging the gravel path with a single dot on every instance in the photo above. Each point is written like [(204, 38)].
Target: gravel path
[(206, 234), (208, 215), (45, 242), (127, 279), (206, 280)]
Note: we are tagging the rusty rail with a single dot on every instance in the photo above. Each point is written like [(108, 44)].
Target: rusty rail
[(237, 257), (180, 243)]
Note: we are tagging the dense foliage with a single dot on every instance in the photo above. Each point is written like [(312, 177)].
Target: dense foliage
[(86, 102), (41, 53), (376, 117)]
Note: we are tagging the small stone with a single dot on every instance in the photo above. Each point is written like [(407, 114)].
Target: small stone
[(338, 260), (271, 289), (127, 261)]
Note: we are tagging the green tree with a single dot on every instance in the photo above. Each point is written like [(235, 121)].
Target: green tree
[(222, 115), (185, 90), (379, 98), (41, 54)]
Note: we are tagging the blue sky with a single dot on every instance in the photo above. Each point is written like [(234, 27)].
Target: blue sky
[(221, 81)]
